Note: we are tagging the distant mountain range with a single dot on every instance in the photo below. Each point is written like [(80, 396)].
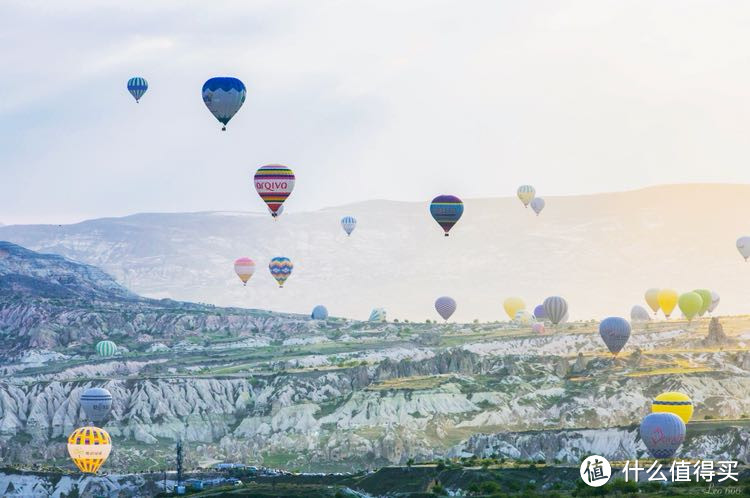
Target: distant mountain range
[(599, 251)]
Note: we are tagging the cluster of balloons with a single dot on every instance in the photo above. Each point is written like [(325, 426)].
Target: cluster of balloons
[(692, 304), (89, 446), (663, 430), (280, 267), (527, 195)]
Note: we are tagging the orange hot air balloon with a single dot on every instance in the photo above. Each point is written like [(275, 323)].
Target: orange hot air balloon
[(89, 448)]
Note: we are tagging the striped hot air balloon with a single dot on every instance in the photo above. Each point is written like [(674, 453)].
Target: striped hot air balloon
[(319, 312), (537, 204), (137, 86), (674, 402), (445, 306), (274, 183), (526, 194), (377, 315), (615, 332), (281, 268), (96, 403), (106, 348), (348, 223), (224, 96), (89, 448), (555, 308), (662, 433), (446, 210), (244, 268)]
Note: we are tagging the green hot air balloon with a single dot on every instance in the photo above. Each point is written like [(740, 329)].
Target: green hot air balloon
[(705, 295), (690, 304), (106, 348)]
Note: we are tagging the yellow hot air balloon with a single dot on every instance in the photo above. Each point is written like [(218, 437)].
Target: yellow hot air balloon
[(652, 299), (89, 447), (513, 305), (667, 301), (690, 304), (674, 402)]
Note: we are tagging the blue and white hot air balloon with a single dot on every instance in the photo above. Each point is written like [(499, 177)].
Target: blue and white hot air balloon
[(662, 433), (615, 332), (348, 223), (96, 402), (224, 96), (445, 306), (377, 315), (137, 86), (319, 312)]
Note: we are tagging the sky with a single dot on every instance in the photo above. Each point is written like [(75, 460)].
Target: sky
[(365, 100)]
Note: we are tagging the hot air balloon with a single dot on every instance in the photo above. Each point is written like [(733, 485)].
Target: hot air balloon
[(743, 245), (705, 295), (526, 193), (556, 309), (667, 301), (639, 314), (224, 96), (137, 87), (539, 312), (96, 403), (106, 348), (512, 305), (690, 304), (446, 210), (673, 402), (662, 433), (715, 298), (244, 268), (281, 268), (377, 315), (89, 448), (615, 332), (319, 312), (274, 183), (537, 204), (652, 299), (445, 306), (348, 223), (523, 317), (538, 328)]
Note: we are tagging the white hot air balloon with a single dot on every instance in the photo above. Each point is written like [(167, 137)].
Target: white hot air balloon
[(537, 204), (743, 245)]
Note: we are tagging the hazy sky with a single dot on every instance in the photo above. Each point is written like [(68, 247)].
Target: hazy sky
[(365, 99)]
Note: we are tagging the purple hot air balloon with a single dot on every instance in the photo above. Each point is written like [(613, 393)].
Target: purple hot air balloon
[(445, 306), (539, 313), (615, 332), (662, 433)]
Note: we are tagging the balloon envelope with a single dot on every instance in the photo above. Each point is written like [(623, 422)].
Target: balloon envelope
[(673, 402), (89, 448), (96, 403), (743, 246), (244, 268), (556, 309), (280, 268), (715, 298), (690, 304), (377, 315), (224, 96), (705, 295), (446, 210), (319, 312), (539, 312), (106, 348), (615, 332), (538, 328), (445, 306), (652, 299), (274, 183), (662, 433), (137, 86), (348, 223), (526, 194), (639, 314), (513, 305), (537, 204), (523, 317), (667, 301)]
